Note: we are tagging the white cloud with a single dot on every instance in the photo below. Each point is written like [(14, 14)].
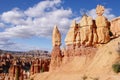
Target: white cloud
[(2, 25), (107, 13), (92, 13), (31, 22), (39, 21), (77, 19), (14, 16), (39, 9)]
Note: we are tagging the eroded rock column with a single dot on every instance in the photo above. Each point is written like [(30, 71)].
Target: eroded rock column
[(86, 27), (102, 25), (56, 57)]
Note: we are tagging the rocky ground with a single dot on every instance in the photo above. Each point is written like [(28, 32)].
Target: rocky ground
[(97, 67)]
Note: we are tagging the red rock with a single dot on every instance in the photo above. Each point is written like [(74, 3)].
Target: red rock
[(56, 58)]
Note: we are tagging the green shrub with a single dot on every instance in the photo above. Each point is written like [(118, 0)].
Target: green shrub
[(116, 67)]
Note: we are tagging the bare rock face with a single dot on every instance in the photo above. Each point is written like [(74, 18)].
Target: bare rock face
[(102, 25), (70, 50), (12, 72), (70, 37), (36, 66), (86, 26), (87, 51), (81, 38), (115, 27), (95, 36), (56, 58), (78, 39), (56, 37)]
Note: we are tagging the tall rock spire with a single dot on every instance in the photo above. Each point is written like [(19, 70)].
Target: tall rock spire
[(56, 37), (102, 25), (56, 56), (70, 37)]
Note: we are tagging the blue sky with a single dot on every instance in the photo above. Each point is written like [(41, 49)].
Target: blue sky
[(27, 24)]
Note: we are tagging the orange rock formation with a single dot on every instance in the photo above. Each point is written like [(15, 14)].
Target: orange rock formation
[(87, 50), (56, 56)]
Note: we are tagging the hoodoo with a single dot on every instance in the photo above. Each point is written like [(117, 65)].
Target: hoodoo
[(102, 25), (90, 51), (56, 56)]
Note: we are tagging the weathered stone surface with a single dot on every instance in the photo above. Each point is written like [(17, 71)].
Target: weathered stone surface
[(100, 10), (32, 70), (56, 58), (86, 26), (115, 27), (14, 68), (70, 50), (36, 66), (71, 35), (102, 26), (84, 53), (78, 39), (56, 37), (95, 37), (45, 65), (12, 71)]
